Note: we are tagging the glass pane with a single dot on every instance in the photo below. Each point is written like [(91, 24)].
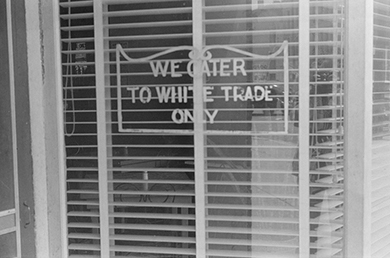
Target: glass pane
[(6, 165), (252, 141), (8, 245), (151, 156)]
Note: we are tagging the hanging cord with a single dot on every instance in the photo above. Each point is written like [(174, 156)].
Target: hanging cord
[(69, 88)]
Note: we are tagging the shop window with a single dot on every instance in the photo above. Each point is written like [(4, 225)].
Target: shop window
[(170, 148)]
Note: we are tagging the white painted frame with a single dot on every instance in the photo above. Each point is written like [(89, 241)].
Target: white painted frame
[(358, 127), (15, 227), (304, 125)]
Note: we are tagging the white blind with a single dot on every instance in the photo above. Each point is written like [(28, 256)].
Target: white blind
[(326, 128), (381, 132), (151, 172), (252, 205), (78, 66), (249, 61)]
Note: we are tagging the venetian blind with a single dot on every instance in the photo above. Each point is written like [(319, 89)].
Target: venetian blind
[(80, 126), (326, 128), (150, 156), (381, 132), (252, 201), (138, 198)]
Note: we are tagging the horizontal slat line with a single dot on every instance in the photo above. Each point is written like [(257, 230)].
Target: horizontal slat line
[(140, 122), (334, 167), (76, 4), (151, 193), (91, 158), (258, 242), (239, 7), (267, 32), (152, 145), (240, 171), (238, 183), (155, 239), (151, 158), (289, 18), (250, 254), (173, 216), (80, 123), (250, 208), (149, 11), (88, 202), (253, 232), (153, 227), (185, 182), (81, 180), (84, 256), (83, 225), (90, 247), (151, 37), (73, 40), (327, 215), (330, 143), (83, 236), (82, 191), (265, 195), (81, 146), (75, 64), (76, 16), (250, 32), (82, 214), (151, 169), (331, 155), (152, 250), (254, 218), (154, 24), (232, 159), (153, 204), (78, 28)]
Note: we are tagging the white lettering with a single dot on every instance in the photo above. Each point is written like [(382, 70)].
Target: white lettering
[(211, 116), (174, 117), (214, 63), (174, 66), (257, 89), (237, 66), (237, 95), (267, 91), (163, 94), (158, 67), (226, 90), (148, 95), (132, 91), (224, 64), (187, 114), (207, 91)]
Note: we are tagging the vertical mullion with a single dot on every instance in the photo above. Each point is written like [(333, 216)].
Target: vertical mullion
[(359, 52), (101, 128), (304, 113), (199, 139), (13, 126)]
